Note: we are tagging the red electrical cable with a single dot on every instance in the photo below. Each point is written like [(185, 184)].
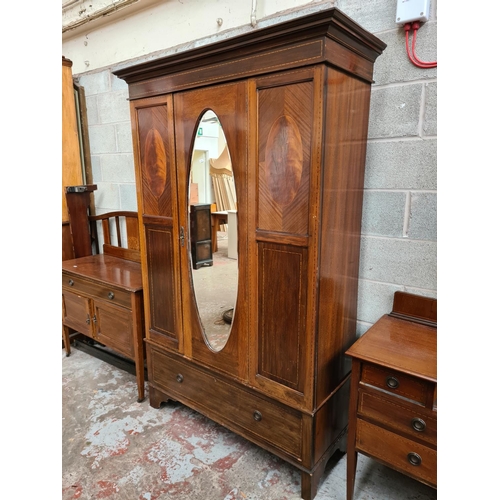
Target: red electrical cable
[(412, 55), (416, 26)]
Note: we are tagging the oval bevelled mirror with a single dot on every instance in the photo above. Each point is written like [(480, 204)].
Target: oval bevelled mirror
[(213, 231)]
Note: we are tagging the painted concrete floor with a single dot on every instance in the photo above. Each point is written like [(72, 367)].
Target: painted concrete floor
[(115, 448)]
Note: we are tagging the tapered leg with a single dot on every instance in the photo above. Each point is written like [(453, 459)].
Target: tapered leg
[(352, 455), (137, 325), (352, 459), (67, 344), (139, 375)]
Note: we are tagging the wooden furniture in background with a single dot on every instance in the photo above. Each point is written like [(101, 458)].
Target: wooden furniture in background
[(120, 234), (393, 405), (102, 295), (201, 235), (78, 204), (72, 173), (293, 101)]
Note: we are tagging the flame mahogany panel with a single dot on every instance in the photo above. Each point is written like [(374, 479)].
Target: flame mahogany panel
[(156, 160), (284, 135), (153, 136), (283, 233)]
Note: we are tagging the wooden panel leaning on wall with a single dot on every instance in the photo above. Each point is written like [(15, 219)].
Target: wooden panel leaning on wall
[(71, 160)]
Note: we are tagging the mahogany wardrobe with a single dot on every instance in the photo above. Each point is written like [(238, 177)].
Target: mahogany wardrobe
[(292, 103)]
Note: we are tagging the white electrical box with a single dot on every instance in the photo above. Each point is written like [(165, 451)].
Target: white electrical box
[(412, 10)]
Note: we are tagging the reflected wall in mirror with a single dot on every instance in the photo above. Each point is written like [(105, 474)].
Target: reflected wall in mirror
[(212, 200)]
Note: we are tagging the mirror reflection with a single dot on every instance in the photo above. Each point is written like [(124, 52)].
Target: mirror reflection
[(213, 231)]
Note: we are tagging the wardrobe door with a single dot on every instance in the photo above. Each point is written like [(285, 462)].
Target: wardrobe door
[(227, 108), (153, 137), (283, 235)]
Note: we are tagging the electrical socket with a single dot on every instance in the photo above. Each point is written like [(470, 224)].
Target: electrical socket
[(412, 10)]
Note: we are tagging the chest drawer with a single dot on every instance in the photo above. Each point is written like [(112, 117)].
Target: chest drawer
[(95, 289), (395, 382), (254, 417), (401, 416), (413, 459)]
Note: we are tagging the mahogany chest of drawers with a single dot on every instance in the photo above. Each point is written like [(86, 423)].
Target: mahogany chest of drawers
[(393, 403)]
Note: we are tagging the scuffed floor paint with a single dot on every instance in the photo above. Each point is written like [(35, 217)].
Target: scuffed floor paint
[(115, 448)]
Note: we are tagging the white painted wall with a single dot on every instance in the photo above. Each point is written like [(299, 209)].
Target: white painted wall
[(164, 24)]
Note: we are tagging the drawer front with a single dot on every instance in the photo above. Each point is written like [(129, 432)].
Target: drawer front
[(99, 290), (114, 328), (404, 455), (401, 416), (253, 417), (395, 382)]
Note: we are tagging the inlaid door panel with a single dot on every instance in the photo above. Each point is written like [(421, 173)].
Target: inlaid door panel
[(282, 314), (286, 157), (285, 115), (161, 285), (156, 156), (154, 152)]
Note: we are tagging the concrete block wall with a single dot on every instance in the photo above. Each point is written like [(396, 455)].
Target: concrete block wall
[(399, 226), (110, 138)]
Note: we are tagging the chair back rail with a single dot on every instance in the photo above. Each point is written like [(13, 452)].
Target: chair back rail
[(114, 242)]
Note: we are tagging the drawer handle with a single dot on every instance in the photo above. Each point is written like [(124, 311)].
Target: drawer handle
[(392, 382), (88, 319), (257, 415), (179, 378), (71, 282), (414, 458), (111, 295), (418, 424)]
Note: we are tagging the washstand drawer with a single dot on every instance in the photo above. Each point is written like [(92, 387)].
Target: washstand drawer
[(98, 290), (395, 382), (399, 415), (255, 417), (403, 454)]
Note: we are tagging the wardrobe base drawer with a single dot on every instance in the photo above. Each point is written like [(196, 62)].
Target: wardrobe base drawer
[(402, 454), (227, 403)]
